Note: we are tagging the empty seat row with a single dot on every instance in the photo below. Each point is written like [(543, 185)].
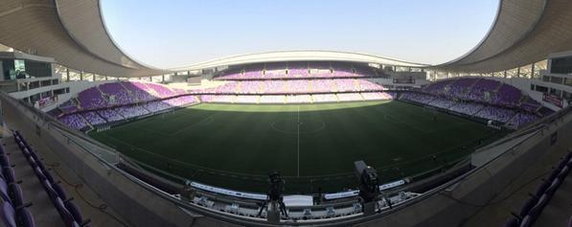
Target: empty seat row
[(14, 211), (69, 212), (533, 207)]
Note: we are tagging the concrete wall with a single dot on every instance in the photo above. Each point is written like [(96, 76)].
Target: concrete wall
[(451, 205), (136, 204)]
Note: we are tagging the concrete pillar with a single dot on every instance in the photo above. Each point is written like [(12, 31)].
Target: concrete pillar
[(532, 71)]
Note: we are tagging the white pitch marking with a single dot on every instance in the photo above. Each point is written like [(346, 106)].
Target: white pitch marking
[(298, 141)]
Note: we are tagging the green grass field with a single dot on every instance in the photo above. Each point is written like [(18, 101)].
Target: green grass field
[(312, 145)]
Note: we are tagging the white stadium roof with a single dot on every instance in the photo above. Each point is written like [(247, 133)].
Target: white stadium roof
[(300, 55), (73, 32)]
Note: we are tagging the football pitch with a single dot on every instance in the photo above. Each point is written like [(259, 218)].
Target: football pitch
[(313, 146)]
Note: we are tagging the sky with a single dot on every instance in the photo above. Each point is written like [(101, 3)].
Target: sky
[(176, 33)]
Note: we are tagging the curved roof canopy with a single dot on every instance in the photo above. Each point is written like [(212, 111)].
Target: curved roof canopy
[(524, 32), (71, 31), (300, 55)]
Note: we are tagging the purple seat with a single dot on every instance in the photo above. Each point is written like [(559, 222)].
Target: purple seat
[(553, 186), (64, 212), (526, 221), (41, 165), (16, 195), (25, 218), (563, 173), (34, 155), (568, 156), (9, 175), (61, 191), (4, 160), (512, 222), (4, 195), (50, 190), (76, 213), (527, 206), (39, 174), (8, 215), (542, 188), (26, 152), (553, 174), (32, 162), (48, 176)]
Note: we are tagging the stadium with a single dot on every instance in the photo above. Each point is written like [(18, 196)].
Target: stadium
[(93, 137)]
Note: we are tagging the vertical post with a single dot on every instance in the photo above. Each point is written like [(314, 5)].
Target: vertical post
[(67, 74), (80, 75), (518, 72), (532, 70)]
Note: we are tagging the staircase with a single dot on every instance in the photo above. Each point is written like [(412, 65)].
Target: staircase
[(86, 121), (100, 91)]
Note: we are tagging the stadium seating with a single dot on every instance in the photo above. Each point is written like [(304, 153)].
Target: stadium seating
[(14, 211), (69, 212), (117, 94), (479, 97), (74, 121), (117, 101), (482, 90), (269, 87), (533, 206), (297, 70), (293, 99), (512, 118)]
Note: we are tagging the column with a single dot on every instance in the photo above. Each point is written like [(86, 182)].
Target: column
[(532, 70)]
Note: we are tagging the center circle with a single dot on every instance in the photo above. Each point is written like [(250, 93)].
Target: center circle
[(290, 126)]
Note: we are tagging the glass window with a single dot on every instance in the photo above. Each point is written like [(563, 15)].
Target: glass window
[(88, 76), (74, 75), (566, 95), (555, 92), (568, 81), (45, 83), (157, 79), (99, 77), (555, 79), (541, 88), (561, 65)]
